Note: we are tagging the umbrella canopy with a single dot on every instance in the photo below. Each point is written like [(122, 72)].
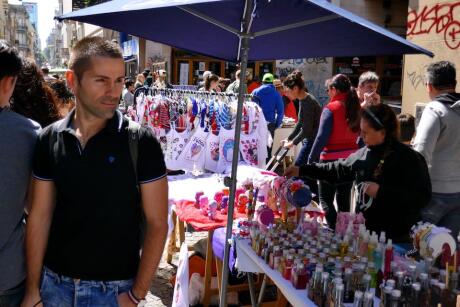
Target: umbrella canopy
[(280, 29)]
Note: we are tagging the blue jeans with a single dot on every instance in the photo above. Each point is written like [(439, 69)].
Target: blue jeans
[(60, 291), (444, 210), (13, 297)]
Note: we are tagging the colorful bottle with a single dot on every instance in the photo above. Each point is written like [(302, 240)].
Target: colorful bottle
[(388, 258), (300, 276), (288, 267)]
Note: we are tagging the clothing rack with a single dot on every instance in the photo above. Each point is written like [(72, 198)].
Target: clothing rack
[(166, 91)]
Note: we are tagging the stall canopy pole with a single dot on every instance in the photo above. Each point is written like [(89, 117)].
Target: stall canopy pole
[(244, 52)]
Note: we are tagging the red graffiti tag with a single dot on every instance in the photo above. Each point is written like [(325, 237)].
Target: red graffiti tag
[(440, 18)]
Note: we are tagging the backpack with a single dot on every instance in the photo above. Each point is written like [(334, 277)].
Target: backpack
[(133, 140)]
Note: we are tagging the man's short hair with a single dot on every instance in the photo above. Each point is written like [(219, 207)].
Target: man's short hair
[(406, 127), (129, 83), (368, 77), (10, 61), (441, 75), (88, 48)]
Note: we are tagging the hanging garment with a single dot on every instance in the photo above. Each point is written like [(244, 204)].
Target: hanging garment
[(176, 144), (193, 156), (249, 148), (226, 146), (212, 152)]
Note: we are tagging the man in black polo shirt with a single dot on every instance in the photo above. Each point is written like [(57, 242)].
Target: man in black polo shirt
[(83, 232)]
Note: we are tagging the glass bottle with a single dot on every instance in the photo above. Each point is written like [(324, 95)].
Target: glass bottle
[(395, 298), (288, 267), (365, 283), (435, 298), (425, 292), (331, 291), (312, 286), (368, 299), (358, 301), (372, 272), (281, 264), (274, 257), (391, 283), (300, 276), (347, 281), (338, 295), (415, 295), (399, 280), (268, 251), (321, 293), (386, 297)]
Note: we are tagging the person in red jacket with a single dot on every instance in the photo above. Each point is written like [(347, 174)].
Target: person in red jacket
[(337, 139)]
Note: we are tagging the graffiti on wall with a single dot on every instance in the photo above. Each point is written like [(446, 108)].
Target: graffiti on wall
[(441, 18), (314, 70), (416, 77)]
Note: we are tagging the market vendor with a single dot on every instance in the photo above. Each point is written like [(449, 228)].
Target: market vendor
[(392, 180)]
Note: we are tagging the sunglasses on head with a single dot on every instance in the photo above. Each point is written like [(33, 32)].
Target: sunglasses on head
[(374, 118)]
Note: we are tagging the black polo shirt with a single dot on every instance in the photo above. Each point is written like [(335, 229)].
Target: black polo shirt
[(95, 228)]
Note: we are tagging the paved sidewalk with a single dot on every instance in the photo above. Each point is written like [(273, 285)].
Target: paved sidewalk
[(161, 291)]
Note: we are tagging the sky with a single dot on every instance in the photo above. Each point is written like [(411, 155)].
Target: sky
[(46, 13)]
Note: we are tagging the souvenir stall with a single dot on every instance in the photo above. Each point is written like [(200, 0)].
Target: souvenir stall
[(284, 238), (248, 24), (196, 129)]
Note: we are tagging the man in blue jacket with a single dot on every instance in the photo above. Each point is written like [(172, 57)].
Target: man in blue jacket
[(271, 103)]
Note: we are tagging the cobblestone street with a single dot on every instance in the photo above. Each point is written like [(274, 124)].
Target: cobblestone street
[(161, 291)]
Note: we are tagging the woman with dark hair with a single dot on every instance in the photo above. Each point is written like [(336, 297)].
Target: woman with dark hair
[(33, 98), (211, 83), (336, 139), (392, 180), (65, 102), (308, 120)]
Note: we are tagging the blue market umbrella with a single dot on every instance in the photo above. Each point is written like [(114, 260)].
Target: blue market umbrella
[(280, 29), (225, 29)]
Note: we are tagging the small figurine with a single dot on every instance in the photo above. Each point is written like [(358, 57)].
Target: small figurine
[(212, 210), (197, 198)]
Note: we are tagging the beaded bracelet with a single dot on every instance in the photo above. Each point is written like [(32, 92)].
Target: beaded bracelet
[(133, 298)]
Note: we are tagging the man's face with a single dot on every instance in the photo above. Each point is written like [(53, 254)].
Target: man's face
[(131, 88), (367, 88), (99, 89)]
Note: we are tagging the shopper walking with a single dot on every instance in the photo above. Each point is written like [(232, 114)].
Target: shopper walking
[(438, 141), (271, 103), (392, 180), (17, 138), (128, 93), (92, 182), (307, 127), (337, 139), (33, 97)]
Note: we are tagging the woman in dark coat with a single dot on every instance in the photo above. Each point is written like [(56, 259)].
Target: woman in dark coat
[(392, 180)]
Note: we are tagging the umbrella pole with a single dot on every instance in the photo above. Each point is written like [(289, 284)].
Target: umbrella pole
[(244, 52)]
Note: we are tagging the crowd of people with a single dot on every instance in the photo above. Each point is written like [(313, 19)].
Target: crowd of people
[(83, 189)]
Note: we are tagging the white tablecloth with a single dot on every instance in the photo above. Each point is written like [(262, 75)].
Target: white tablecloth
[(184, 187), (248, 261)]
